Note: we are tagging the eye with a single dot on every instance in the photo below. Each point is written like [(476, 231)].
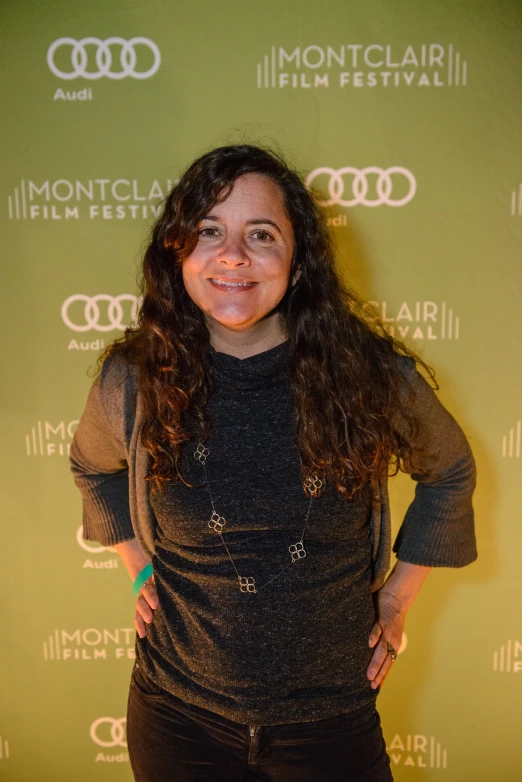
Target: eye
[(263, 235), (208, 232)]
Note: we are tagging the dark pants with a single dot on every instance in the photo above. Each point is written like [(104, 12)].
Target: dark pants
[(172, 741)]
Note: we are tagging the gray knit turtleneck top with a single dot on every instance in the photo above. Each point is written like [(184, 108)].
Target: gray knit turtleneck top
[(297, 648)]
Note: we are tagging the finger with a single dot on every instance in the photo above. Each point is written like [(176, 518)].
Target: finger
[(139, 624), (150, 594), (380, 673), (144, 609), (387, 672), (374, 635), (377, 660), (383, 673)]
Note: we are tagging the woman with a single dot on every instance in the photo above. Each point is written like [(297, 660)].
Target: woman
[(235, 450)]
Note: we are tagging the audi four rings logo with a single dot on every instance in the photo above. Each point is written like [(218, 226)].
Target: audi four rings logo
[(337, 185), (117, 732), (92, 312), (103, 58)]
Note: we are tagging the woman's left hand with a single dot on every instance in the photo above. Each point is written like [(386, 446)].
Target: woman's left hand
[(388, 628)]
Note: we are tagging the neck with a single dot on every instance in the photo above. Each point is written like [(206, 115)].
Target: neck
[(264, 335)]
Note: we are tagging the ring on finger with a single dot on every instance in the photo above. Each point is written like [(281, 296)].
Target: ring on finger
[(391, 651), (148, 582)]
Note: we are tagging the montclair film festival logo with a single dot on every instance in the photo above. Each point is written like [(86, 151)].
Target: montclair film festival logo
[(90, 644), (355, 65), (50, 439), (90, 59), (419, 320), (94, 199), (508, 658), (418, 751)]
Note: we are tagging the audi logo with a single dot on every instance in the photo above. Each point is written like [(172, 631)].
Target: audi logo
[(117, 732), (103, 58), (360, 185), (92, 313)]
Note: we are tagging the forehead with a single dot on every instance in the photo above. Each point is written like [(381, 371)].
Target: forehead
[(252, 192)]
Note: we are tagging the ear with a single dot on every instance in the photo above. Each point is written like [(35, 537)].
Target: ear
[(296, 276)]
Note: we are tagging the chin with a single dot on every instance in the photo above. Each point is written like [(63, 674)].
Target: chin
[(234, 325), (237, 320)]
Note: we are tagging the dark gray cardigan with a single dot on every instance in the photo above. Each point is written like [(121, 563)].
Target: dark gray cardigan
[(109, 464)]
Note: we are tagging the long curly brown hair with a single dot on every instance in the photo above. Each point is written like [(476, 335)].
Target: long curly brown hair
[(348, 387)]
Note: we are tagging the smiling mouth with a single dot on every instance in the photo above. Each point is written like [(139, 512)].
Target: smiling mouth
[(231, 286)]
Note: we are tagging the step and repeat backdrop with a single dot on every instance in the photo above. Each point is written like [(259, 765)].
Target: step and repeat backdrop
[(406, 117)]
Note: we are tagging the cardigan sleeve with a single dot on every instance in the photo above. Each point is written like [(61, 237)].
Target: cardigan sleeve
[(98, 459), (438, 528)]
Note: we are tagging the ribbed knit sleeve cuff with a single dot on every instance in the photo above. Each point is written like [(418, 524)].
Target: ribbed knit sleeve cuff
[(437, 532), (106, 517)]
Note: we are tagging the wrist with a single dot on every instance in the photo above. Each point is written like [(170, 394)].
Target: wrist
[(142, 577), (133, 556), (399, 602), (403, 584)]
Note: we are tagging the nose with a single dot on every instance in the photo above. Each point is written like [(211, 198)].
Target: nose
[(233, 252)]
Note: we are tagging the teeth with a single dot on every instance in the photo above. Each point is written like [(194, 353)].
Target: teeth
[(232, 284)]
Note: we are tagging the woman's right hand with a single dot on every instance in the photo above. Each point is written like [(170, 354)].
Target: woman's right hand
[(135, 559), (145, 605)]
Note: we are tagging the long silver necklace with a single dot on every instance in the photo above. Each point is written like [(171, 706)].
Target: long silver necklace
[(313, 486)]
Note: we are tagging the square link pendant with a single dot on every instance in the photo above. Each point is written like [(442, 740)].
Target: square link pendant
[(247, 584), (216, 522), (297, 551), (201, 453), (313, 485)]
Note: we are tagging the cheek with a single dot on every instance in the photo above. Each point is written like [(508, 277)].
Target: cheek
[(277, 270), (193, 281), (191, 269)]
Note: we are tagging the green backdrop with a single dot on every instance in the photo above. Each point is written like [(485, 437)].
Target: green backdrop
[(406, 116)]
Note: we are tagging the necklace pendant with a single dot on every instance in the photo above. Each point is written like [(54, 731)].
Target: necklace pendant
[(217, 522), (297, 551), (247, 584), (313, 485), (201, 453)]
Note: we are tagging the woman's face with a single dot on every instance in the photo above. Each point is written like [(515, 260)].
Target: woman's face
[(239, 270)]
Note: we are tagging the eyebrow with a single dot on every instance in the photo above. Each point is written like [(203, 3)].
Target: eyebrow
[(255, 221)]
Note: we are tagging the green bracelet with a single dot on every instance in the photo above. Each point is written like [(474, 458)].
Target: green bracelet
[(140, 579)]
